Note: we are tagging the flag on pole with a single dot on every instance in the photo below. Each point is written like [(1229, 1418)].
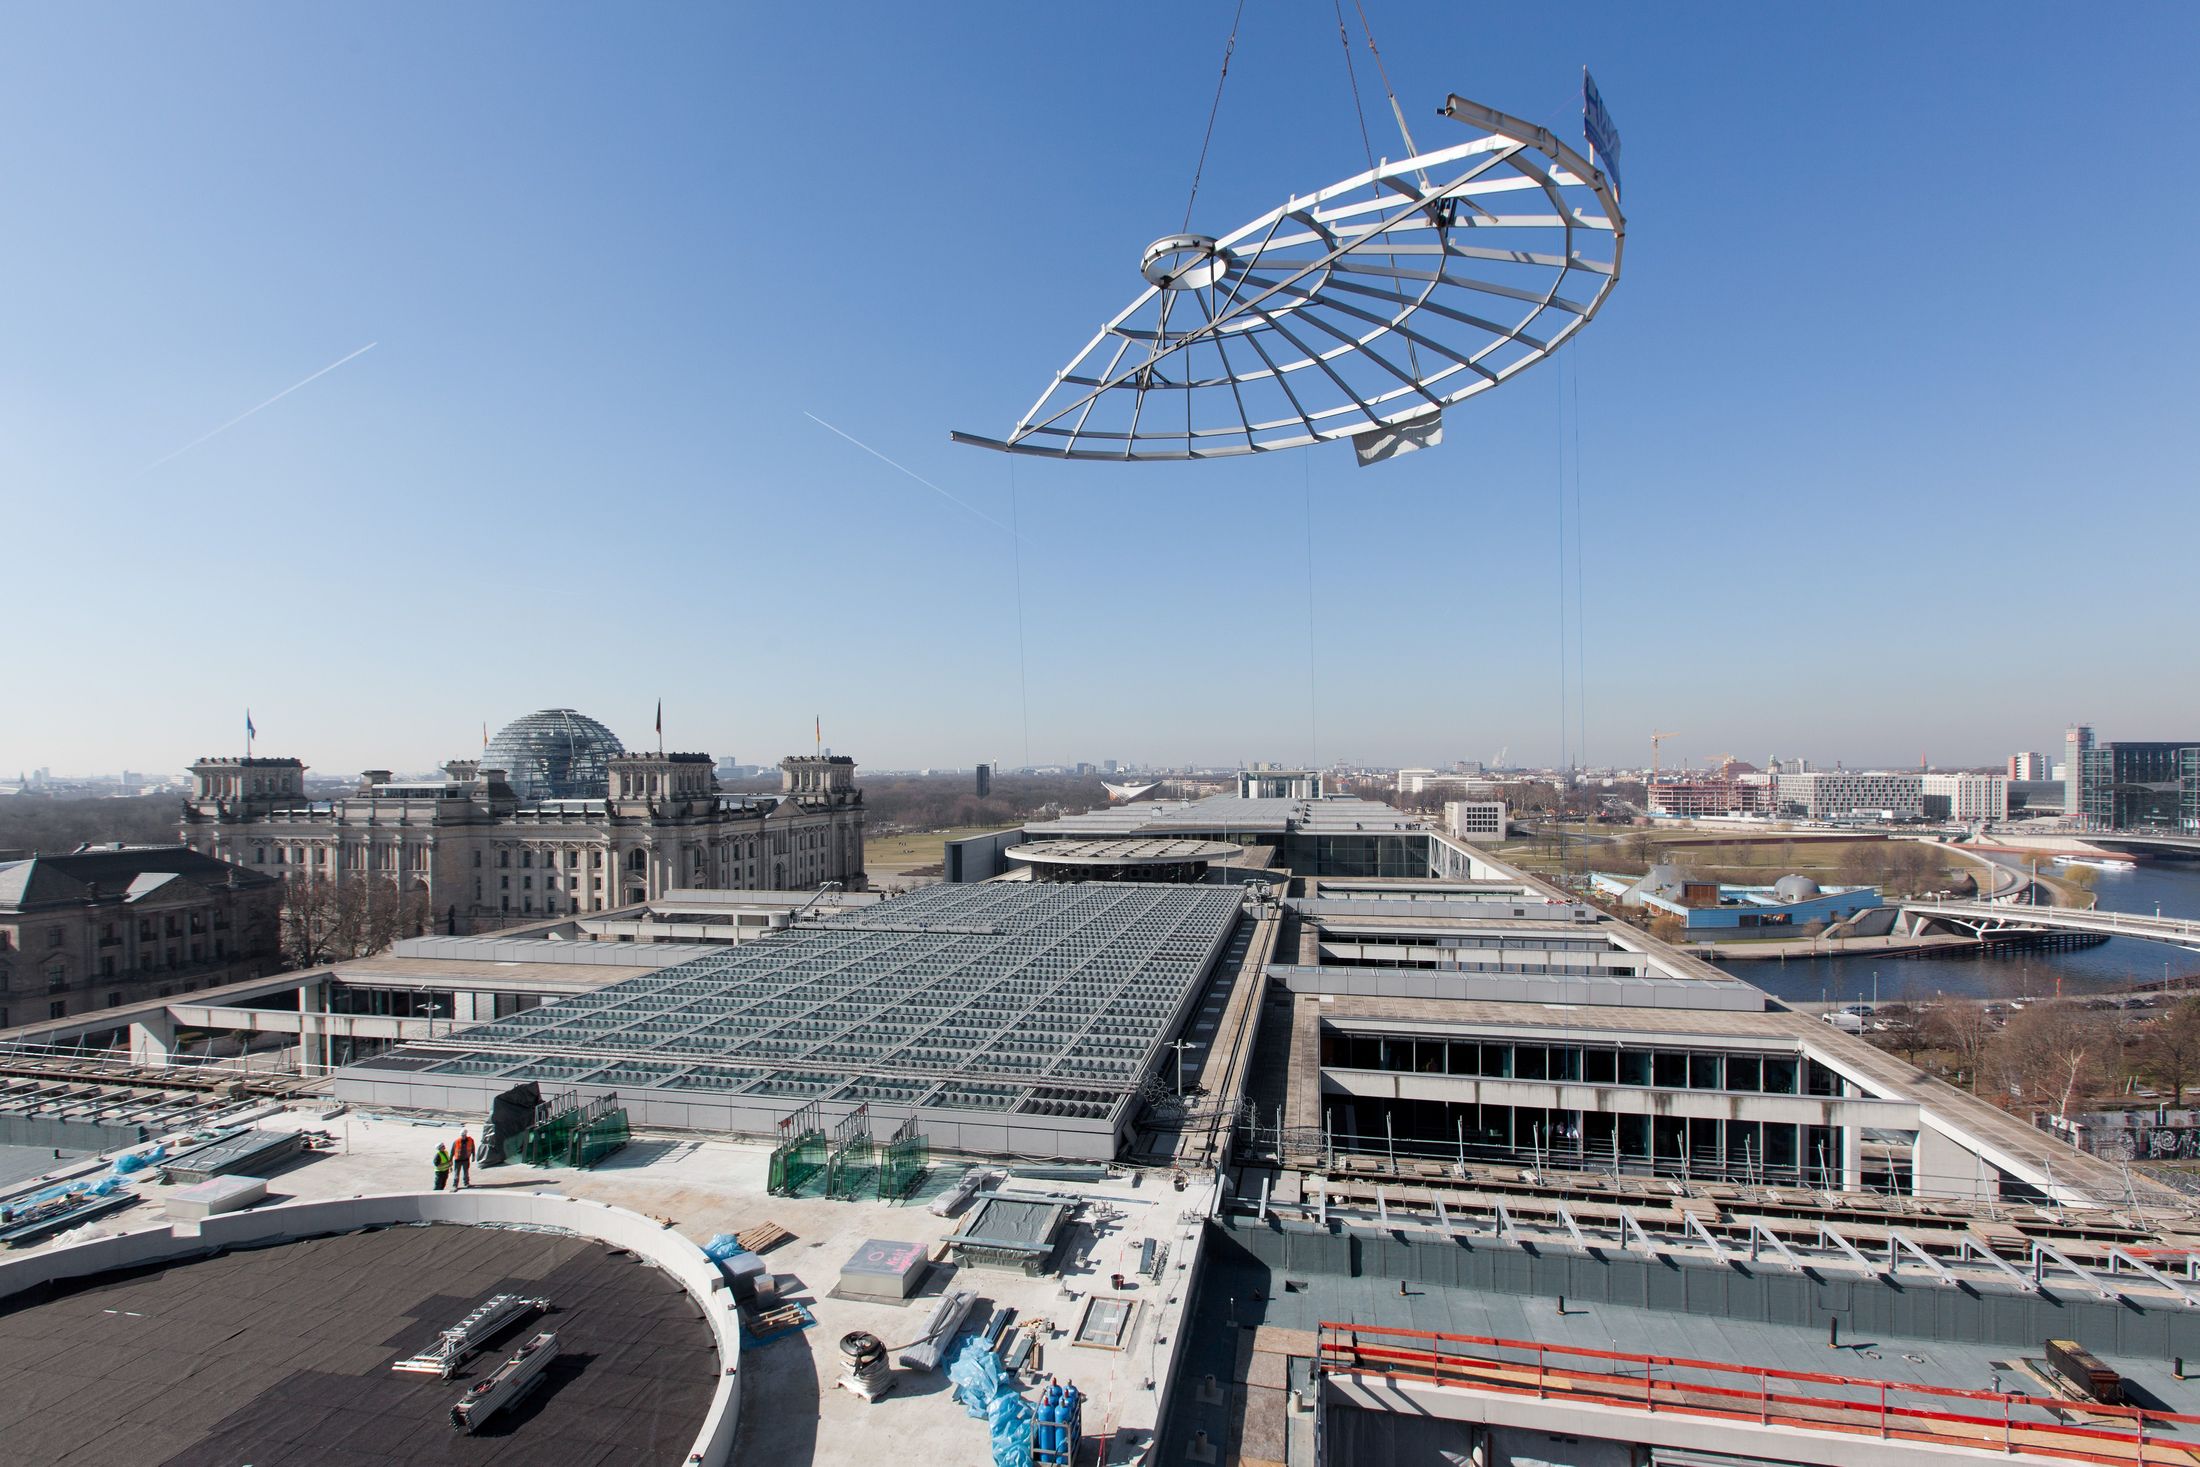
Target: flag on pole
[(484, 736), (821, 730), (660, 725), (250, 733)]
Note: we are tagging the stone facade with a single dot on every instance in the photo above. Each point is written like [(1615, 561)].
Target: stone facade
[(484, 858), (107, 925)]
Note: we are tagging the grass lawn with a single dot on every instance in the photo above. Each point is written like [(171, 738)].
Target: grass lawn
[(908, 850)]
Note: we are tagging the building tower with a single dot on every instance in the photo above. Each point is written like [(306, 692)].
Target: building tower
[(2077, 744)]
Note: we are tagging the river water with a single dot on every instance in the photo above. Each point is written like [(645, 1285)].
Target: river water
[(2170, 887)]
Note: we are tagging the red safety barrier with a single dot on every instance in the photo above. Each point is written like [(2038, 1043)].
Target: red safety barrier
[(2036, 1424)]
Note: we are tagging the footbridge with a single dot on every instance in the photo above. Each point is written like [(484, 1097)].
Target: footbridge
[(1986, 919)]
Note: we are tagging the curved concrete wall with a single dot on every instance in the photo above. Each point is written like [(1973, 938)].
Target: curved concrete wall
[(615, 1226)]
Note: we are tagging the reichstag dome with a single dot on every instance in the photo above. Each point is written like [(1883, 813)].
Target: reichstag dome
[(555, 754)]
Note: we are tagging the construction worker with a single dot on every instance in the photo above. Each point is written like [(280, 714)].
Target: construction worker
[(442, 1164), (462, 1160)]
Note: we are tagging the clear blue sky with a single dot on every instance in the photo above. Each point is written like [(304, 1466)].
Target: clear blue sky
[(1887, 437)]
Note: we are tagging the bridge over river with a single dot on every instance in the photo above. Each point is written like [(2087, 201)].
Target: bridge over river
[(1983, 919)]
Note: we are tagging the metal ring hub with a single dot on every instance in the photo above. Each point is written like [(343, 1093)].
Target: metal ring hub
[(1185, 262)]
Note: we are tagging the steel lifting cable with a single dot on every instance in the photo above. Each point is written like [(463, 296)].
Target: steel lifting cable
[(1412, 151), (1213, 110), (1359, 110), (1352, 75)]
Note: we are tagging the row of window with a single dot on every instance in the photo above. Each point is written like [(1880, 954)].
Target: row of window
[(1662, 1069), (59, 1008), (1745, 1151), (172, 957)]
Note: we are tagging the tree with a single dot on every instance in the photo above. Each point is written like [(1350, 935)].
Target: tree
[(34, 823), (2055, 1057), (1962, 1029), (2169, 1052), (1898, 1026), (325, 920)]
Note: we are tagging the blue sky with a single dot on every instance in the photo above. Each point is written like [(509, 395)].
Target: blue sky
[(1886, 438)]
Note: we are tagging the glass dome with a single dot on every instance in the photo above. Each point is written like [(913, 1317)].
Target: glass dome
[(555, 754)]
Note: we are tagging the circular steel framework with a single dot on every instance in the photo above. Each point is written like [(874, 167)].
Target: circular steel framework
[(1357, 312), (554, 754)]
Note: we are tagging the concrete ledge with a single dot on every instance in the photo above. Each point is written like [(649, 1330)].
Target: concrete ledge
[(613, 1226)]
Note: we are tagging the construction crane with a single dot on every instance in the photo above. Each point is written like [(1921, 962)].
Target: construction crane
[(1657, 743)]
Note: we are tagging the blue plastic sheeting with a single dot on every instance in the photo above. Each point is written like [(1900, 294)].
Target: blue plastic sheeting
[(723, 1246), (986, 1392), (136, 1161), (125, 1164)]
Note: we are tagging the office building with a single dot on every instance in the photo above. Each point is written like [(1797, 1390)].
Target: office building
[(1476, 820), (2029, 767), (2077, 747), (1838, 794), (1965, 798), (985, 780), (1265, 782), (2128, 785), (107, 925)]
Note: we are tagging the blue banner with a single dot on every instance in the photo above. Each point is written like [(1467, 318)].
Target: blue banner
[(1596, 126)]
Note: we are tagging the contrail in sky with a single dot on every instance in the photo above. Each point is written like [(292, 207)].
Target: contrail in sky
[(912, 473), (248, 412)]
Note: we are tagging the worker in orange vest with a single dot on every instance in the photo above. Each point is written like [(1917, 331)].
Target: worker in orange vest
[(462, 1159)]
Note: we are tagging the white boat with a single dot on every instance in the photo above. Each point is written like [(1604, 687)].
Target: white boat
[(2098, 863)]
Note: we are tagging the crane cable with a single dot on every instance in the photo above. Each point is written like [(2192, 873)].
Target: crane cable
[(1212, 111), (1412, 150), (1359, 111)]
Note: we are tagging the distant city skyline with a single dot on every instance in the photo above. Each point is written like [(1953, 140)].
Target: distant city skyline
[(1868, 462), (1676, 754)]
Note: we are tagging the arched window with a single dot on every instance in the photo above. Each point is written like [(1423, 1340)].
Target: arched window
[(637, 860)]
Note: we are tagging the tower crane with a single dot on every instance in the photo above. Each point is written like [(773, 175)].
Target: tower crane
[(1657, 742)]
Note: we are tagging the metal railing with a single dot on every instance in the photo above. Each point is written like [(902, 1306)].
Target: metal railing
[(2072, 1429)]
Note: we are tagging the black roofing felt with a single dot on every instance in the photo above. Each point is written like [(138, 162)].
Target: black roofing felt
[(281, 1355)]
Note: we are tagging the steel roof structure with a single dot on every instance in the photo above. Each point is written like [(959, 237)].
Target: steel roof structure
[(1010, 1018), (1359, 311)]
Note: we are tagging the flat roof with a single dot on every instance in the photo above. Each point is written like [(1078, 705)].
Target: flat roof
[(1128, 851), (283, 1355), (1038, 1000), (1333, 814)]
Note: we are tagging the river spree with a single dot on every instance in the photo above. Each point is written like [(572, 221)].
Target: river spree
[(2171, 888)]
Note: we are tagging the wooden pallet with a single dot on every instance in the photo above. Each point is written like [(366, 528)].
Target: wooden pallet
[(762, 1238)]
